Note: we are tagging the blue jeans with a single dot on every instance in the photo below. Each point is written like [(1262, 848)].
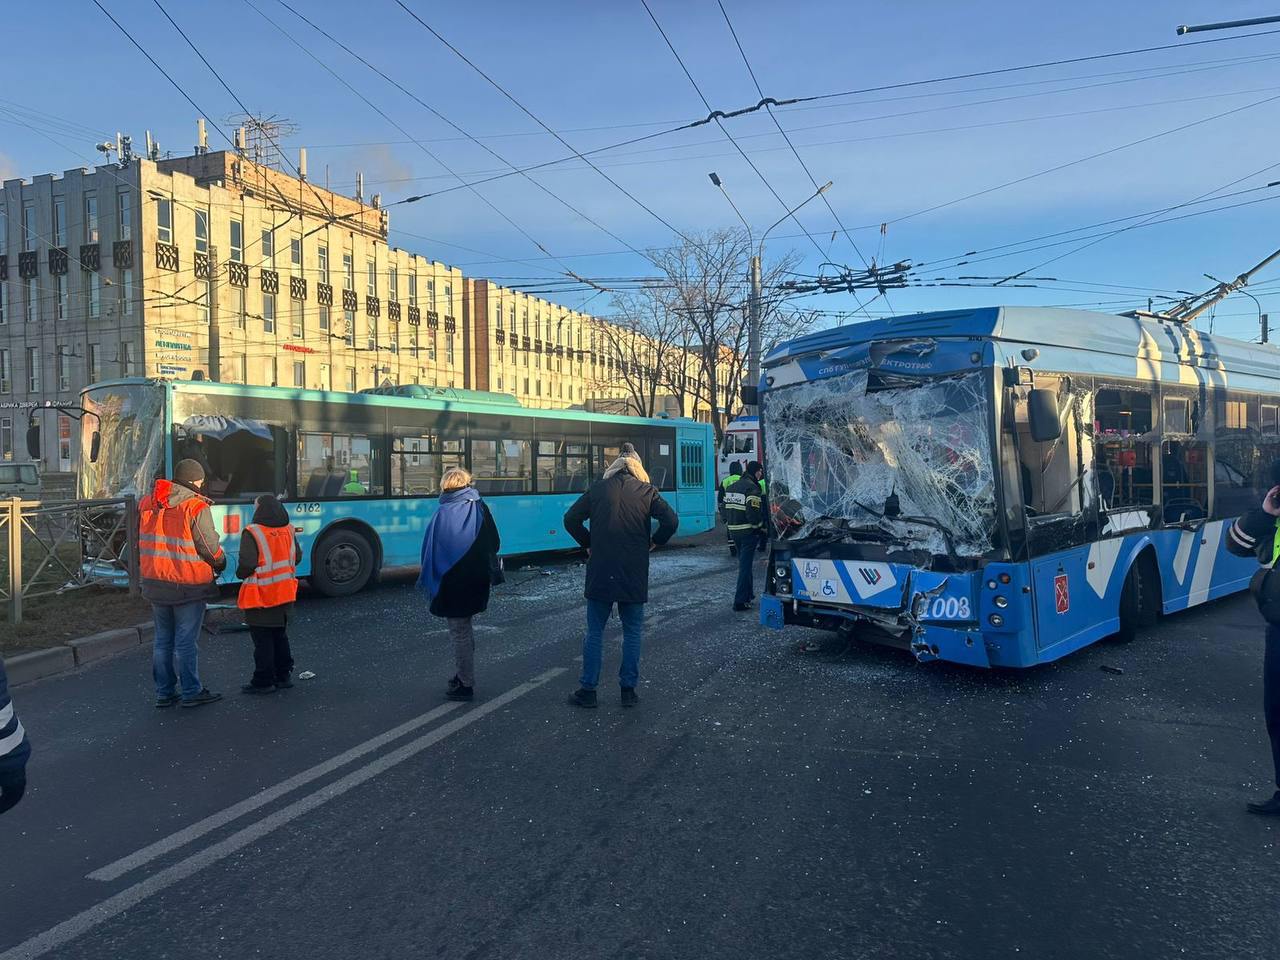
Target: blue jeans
[(746, 543), (632, 617), (177, 630)]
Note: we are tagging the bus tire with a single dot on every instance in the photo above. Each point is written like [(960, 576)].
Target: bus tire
[(1139, 598), (342, 563)]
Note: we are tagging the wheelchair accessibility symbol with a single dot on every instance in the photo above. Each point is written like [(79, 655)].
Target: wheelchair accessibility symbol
[(828, 588)]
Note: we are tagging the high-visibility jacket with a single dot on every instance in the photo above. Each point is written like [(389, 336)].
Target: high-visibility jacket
[(274, 580), (743, 507), (166, 546)]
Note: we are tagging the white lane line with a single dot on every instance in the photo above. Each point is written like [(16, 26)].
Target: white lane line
[(130, 897), (198, 829)]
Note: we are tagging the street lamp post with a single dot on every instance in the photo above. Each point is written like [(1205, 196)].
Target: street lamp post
[(753, 329)]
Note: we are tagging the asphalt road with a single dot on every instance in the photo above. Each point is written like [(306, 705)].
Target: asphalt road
[(761, 802)]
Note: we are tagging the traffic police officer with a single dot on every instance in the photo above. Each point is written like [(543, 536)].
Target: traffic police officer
[(744, 512)]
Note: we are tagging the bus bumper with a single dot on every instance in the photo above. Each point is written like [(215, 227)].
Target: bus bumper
[(951, 644)]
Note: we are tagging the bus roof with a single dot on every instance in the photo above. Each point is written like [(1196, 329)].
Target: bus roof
[(436, 399), (1048, 326)]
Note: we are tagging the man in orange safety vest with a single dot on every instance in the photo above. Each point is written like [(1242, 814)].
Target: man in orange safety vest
[(180, 559)]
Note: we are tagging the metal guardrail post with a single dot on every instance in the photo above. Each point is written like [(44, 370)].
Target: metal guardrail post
[(15, 560), (131, 538)]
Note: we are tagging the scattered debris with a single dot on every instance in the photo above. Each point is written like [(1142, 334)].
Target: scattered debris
[(1107, 668), (307, 675)]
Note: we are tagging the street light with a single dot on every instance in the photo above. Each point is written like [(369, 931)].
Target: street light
[(1226, 25), (715, 178), (753, 327)]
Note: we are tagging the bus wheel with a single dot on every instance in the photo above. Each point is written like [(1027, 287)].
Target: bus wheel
[(342, 563), (1139, 599)]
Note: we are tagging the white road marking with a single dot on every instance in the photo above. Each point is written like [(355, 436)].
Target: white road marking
[(172, 842), (113, 906)]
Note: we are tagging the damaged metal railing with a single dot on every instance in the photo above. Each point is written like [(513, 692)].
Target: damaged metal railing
[(53, 548)]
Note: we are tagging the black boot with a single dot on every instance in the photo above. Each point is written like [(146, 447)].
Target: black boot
[(457, 690), (583, 698), (1266, 808), (629, 698)]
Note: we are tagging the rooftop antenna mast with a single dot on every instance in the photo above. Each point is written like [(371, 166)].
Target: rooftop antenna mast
[(264, 136)]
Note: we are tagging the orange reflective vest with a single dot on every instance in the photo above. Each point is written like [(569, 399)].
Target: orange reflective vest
[(274, 580), (166, 549)]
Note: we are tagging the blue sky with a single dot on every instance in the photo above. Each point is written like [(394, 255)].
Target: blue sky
[(600, 73)]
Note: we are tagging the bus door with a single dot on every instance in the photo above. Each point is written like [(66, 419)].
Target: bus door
[(695, 493)]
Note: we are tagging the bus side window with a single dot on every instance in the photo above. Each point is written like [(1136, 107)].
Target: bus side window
[(1049, 473), (241, 457), (419, 460), (1122, 443), (1184, 458), (1238, 454), (339, 465)]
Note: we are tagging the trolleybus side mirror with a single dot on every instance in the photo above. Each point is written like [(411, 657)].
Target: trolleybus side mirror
[(33, 441), (751, 395), (95, 444), (1042, 415)]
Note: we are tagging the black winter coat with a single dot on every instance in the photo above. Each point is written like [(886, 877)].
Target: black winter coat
[(619, 509), (464, 590)]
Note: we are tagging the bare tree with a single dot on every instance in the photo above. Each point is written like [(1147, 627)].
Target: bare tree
[(644, 339)]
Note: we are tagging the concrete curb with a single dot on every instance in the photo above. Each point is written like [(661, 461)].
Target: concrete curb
[(38, 664)]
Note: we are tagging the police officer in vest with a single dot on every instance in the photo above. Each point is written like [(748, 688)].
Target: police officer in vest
[(732, 477), (744, 511), (1257, 533), (180, 560)]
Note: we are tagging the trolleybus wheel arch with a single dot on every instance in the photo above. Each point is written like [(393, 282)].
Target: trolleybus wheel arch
[(1140, 596), (342, 562)]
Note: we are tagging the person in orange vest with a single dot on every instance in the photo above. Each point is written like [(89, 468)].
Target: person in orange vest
[(267, 568), (180, 559)]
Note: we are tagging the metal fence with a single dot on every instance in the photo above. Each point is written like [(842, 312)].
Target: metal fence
[(52, 548)]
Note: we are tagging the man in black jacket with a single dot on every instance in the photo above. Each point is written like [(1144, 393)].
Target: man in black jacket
[(619, 508), (745, 514), (1255, 534)]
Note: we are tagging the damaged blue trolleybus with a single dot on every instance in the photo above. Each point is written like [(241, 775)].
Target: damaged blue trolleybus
[(1003, 486), (360, 472)]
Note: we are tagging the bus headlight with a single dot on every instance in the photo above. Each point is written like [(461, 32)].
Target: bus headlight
[(780, 571), (1001, 602), (996, 620)]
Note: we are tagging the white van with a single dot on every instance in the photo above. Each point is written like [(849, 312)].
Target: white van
[(19, 480)]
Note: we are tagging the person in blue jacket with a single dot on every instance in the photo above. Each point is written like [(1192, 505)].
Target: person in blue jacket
[(15, 748)]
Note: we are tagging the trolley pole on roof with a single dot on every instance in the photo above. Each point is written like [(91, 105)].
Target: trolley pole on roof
[(1187, 310), (1226, 25)]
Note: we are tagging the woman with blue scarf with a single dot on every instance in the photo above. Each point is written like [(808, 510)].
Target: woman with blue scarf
[(457, 553)]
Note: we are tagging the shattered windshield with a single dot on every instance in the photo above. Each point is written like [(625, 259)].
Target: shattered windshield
[(130, 423), (907, 462)]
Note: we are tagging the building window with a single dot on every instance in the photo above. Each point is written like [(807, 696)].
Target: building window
[(372, 284), (127, 365), (322, 258), (269, 247), (295, 318), (269, 371), (124, 216), (325, 383), (202, 231), (90, 218), (60, 368), (164, 220), (59, 221), (4, 302), (95, 363), (448, 300), (431, 294), (203, 307), (6, 439), (268, 312), (351, 379), (33, 295), (6, 372), (431, 345), (299, 373), (59, 297), (33, 369), (29, 235), (372, 339), (244, 369), (324, 319), (4, 231), (237, 241), (393, 284), (448, 350), (126, 292), (242, 313), (295, 251), (413, 289), (348, 272)]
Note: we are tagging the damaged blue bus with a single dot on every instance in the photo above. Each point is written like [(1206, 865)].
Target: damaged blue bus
[(1002, 486)]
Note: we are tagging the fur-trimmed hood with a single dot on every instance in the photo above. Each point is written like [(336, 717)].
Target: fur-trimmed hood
[(627, 464)]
